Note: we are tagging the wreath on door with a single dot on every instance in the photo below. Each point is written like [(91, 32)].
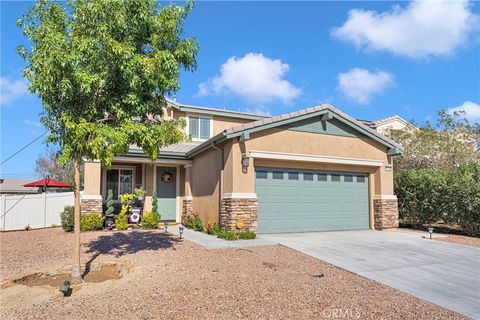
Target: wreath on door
[(166, 177)]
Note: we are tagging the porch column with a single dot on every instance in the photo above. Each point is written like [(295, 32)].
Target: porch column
[(187, 209), (91, 200)]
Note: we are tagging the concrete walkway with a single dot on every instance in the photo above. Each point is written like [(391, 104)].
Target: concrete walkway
[(443, 273), (212, 242)]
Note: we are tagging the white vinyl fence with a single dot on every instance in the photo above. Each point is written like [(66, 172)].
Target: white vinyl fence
[(34, 210)]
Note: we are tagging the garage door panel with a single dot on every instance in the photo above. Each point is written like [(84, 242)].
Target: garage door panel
[(291, 200)]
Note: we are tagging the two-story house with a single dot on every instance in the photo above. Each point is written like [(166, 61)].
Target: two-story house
[(309, 170)]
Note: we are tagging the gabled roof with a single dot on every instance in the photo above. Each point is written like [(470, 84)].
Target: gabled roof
[(213, 111), (389, 120), (327, 112)]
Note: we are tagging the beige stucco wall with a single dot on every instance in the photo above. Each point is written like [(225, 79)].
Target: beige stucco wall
[(222, 123), (276, 140), (92, 178), (205, 184)]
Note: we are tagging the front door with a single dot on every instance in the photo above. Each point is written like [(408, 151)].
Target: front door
[(167, 192)]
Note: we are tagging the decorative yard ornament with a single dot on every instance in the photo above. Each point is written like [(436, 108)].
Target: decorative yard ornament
[(166, 177), (240, 224)]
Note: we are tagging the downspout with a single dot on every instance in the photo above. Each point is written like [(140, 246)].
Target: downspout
[(214, 147)]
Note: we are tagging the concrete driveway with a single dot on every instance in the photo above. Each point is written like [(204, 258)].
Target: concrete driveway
[(443, 273)]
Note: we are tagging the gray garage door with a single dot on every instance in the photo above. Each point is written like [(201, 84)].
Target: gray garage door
[(291, 200)]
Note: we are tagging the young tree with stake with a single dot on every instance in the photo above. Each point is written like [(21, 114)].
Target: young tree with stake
[(101, 69)]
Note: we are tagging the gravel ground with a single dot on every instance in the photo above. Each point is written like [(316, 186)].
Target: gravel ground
[(447, 237), (180, 280), (465, 240)]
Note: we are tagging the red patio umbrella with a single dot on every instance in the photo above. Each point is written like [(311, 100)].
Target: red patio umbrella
[(44, 184), (47, 183)]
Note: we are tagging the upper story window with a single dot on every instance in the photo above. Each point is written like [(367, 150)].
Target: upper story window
[(200, 128)]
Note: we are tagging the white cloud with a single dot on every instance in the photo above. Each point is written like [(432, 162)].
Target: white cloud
[(424, 28), (471, 109), (361, 85), (253, 77), (11, 90), (29, 122)]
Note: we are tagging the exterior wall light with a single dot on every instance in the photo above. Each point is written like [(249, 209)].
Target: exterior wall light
[(245, 161), (180, 231), (430, 230)]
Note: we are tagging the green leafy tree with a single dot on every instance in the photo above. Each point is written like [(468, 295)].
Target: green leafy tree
[(102, 70), (452, 142)]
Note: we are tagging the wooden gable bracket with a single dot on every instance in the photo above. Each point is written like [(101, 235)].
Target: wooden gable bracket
[(327, 116)]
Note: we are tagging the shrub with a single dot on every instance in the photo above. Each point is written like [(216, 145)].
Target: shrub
[(194, 223), (247, 235), (154, 202), (150, 220), (420, 195), (211, 227), (197, 224), (67, 218), (91, 221), (127, 202), (227, 235), (427, 195), (121, 222), (110, 204)]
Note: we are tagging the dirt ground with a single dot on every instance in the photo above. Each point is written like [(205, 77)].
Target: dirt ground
[(174, 279), (447, 237)]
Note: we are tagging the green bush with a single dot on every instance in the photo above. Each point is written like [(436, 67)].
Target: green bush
[(215, 229), (154, 202), (91, 221), (247, 235), (194, 223), (150, 220), (463, 198), (67, 218), (427, 195), (227, 235), (121, 221), (420, 195), (110, 204)]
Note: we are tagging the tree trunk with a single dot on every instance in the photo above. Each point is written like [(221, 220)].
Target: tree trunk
[(76, 271)]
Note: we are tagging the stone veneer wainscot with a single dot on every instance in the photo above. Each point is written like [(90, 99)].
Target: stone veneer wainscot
[(91, 204), (238, 206), (385, 212)]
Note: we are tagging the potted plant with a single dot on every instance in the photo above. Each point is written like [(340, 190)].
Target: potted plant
[(140, 193)]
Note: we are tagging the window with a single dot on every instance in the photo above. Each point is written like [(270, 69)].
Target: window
[(199, 127), (322, 177), (308, 176), (261, 174), (348, 178), (335, 177), (361, 179), (293, 176), (277, 175), (120, 181)]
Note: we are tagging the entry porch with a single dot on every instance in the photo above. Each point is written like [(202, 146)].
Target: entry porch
[(167, 178)]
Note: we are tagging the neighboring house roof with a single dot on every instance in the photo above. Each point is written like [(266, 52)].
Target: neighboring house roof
[(388, 120), (214, 111), (325, 110), (16, 186)]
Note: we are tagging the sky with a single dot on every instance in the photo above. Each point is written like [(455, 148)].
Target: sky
[(369, 59)]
